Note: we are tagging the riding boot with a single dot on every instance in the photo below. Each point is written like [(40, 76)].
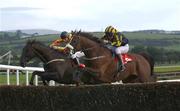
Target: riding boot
[(76, 61), (122, 67)]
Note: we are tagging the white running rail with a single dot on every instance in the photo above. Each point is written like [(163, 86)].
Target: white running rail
[(18, 68)]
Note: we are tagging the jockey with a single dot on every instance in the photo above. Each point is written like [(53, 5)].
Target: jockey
[(118, 41), (66, 38)]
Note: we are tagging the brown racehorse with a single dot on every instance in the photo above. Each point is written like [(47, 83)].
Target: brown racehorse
[(101, 66), (57, 66)]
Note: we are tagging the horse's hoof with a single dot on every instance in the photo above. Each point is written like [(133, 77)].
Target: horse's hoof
[(31, 83), (77, 84)]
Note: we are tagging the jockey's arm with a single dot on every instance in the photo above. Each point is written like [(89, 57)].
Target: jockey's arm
[(105, 40), (70, 47), (56, 43), (58, 48), (116, 42)]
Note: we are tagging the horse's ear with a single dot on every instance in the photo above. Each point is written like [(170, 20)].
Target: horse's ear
[(73, 32), (78, 33)]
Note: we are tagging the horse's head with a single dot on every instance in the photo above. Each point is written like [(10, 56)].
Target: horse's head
[(27, 54), (76, 41), (83, 40)]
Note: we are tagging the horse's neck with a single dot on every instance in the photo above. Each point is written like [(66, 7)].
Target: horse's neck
[(42, 52), (91, 48), (86, 43)]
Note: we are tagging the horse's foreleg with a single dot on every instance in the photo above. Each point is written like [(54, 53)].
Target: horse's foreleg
[(92, 71), (39, 73), (32, 78), (49, 76)]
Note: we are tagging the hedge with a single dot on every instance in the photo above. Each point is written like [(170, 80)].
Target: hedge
[(122, 97)]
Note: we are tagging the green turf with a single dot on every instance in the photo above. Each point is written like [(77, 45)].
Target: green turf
[(22, 79), (163, 69)]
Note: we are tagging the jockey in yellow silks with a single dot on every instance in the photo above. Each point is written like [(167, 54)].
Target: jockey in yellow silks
[(66, 38), (118, 41)]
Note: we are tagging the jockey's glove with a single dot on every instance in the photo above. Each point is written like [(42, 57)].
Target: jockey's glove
[(69, 46), (55, 47)]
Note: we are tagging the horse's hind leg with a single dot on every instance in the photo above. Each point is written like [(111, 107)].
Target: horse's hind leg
[(131, 79)]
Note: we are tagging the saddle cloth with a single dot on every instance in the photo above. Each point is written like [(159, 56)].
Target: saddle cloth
[(125, 58)]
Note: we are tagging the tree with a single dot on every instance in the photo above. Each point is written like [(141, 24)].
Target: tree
[(6, 36), (18, 34), (138, 49)]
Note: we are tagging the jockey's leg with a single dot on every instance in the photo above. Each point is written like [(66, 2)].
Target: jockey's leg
[(76, 57), (122, 64), (121, 50), (76, 61)]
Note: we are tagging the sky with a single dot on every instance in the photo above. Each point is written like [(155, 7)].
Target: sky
[(90, 15)]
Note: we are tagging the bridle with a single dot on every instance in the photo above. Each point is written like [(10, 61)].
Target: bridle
[(85, 49)]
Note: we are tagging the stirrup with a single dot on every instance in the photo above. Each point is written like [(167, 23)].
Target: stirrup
[(122, 68)]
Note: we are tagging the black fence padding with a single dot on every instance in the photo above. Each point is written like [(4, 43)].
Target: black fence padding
[(123, 97)]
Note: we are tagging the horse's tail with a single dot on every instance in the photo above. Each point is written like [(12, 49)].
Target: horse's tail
[(150, 59)]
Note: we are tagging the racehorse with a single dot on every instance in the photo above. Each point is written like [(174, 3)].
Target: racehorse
[(56, 65), (101, 66)]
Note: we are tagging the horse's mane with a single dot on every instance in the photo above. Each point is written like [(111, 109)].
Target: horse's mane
[(35, 41), (42, 44), (90, 36)]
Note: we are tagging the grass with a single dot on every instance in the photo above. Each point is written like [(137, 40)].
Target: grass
[(164, 69), (22, 79)]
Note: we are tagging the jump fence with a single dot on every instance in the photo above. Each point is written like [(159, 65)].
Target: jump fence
[(120, 97), (161, 96)]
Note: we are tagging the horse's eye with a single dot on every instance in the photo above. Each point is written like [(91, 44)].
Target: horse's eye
[(74, 42)]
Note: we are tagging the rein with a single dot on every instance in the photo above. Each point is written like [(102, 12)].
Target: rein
[(94, 58), (90, 48), (53, 60), (36, 52)]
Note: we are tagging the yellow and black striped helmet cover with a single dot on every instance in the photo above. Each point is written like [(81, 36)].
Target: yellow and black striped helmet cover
[(110, 29)]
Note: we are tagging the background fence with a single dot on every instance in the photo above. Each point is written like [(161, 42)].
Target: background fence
[(10, 69), (168, 76)]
